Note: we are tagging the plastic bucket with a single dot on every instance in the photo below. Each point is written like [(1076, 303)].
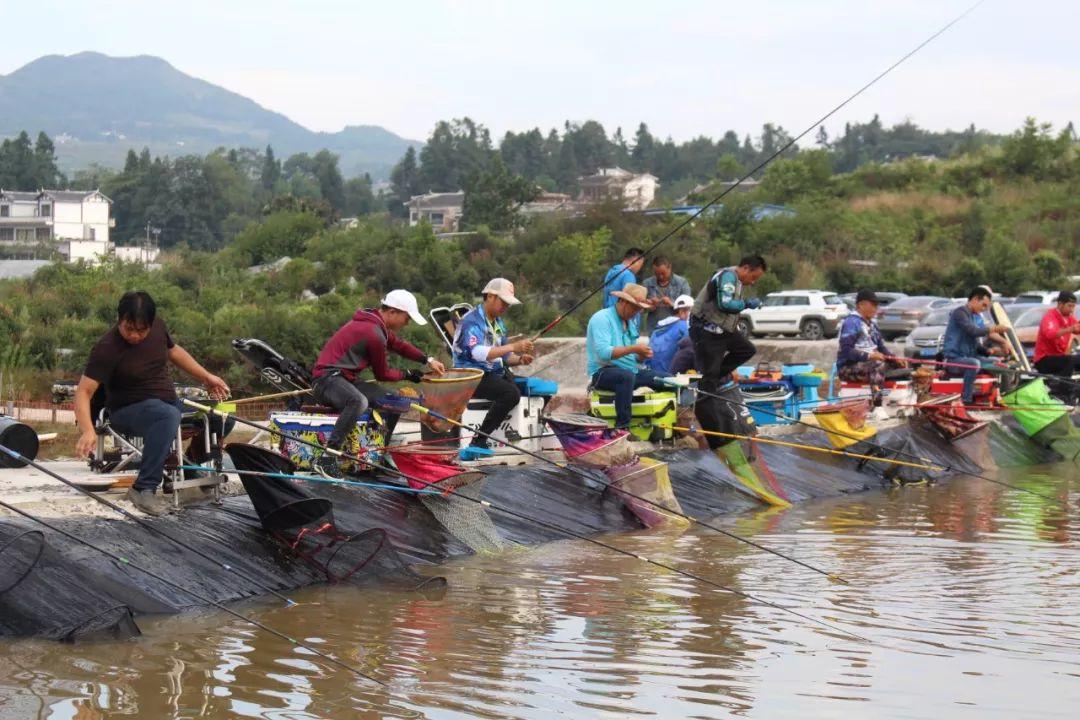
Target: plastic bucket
[(18, 437)]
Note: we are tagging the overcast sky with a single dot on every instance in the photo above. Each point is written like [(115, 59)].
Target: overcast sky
[(685, 68)]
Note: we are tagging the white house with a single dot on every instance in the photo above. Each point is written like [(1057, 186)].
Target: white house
[(635, 191), (440, 210), (76, 223)]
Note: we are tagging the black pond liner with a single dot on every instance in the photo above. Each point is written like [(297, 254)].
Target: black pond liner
[(280, 505), (44, 594)]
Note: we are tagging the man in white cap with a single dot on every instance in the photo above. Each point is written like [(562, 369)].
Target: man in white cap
[(480, 342), (359, 344), (668, 333), (612, 351)]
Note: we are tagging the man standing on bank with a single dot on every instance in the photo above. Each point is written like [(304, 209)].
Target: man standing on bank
[(719, 348), (132, 361), (480, 343), (664, 288), (359, 344)]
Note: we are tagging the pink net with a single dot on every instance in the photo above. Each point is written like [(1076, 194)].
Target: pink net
[(448, 395)]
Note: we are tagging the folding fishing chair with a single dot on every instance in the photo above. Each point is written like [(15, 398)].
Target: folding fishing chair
[(446, 321)]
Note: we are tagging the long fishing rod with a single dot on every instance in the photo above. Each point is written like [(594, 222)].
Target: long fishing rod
[(784, 148), (148, 526), (997, 368), (201, 598), (543, 523), (328, 481), (659, 506), (799, 421)]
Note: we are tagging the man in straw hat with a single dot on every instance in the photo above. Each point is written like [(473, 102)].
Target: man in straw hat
[(613, 352), (359, 344), (480, 342)]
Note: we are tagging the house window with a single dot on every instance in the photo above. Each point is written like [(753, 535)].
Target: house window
[(5, 211), (43, 233), (7, 234), (46, 210), (436, 218)]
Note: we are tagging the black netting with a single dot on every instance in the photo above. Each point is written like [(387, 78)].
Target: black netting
[(304, 526), (46, 594)]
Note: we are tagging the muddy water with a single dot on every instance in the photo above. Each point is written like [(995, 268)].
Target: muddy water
[(968, 595)]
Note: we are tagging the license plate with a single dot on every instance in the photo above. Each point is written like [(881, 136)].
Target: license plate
[(928, 352)]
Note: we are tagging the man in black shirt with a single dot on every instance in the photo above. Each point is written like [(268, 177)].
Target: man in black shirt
[(132, 362)]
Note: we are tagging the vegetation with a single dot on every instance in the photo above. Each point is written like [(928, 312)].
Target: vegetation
[(1007, 214)]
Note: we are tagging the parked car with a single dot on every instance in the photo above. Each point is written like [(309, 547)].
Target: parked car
[(904, 315), (884, 298), (810, 314), (1025, 320), (1037, 297), (927, 339)]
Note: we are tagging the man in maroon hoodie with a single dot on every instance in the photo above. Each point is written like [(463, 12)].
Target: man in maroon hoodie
[(363, 343)]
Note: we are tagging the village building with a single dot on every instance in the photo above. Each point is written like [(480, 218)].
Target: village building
[(635, 191), (74, 223)]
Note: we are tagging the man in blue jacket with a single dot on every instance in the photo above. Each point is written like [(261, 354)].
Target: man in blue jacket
[(669, 332), (963, 339), (480, 342), (612, 351), (719, 348), (622, 274)]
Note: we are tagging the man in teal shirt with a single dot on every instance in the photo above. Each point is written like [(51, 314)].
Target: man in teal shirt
[(622, 274), (612, 352)]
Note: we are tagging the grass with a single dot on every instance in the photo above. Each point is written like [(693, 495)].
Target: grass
[(896, 202)]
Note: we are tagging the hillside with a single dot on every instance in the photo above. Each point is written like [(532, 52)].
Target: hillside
[(96, 107)]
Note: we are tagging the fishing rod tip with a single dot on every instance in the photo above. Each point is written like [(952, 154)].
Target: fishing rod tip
[(837, 579)]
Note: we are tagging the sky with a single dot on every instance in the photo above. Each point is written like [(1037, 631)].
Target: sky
[(685, 68)]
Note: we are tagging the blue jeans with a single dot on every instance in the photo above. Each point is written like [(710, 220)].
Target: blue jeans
[(622, 383), (969, 373), (157, 423)]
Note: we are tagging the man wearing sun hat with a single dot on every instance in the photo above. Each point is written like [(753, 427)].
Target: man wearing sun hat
[(480, 342), (613, 352), (359, 344)]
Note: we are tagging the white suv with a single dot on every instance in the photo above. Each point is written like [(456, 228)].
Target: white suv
[(810, 314)]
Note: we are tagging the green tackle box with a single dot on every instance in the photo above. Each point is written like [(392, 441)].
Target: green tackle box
[(648, 412)]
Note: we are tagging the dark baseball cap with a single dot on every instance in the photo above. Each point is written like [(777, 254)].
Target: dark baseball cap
[(867, 295), (1066, 297)]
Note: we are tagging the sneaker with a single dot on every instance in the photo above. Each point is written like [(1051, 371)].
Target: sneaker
[(475, 452), (329, 468), (148, 502)]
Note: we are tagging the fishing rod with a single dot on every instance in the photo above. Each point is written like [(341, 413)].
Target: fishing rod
[(123, 561), (659, 506), (536, 521), (783, 148), (271, 396), (997, 368), (328, 481), (799, 421), (148, 526)]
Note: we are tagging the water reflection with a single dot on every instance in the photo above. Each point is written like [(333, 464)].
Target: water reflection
[(967, 590)]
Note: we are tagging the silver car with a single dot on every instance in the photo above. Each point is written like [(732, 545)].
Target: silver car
[(906, 314), (926, 340)]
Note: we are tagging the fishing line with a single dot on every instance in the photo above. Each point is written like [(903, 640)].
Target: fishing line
[(690, 219), (201, 598), (143, 523), (659, 506), (536, 521), (921, 459)]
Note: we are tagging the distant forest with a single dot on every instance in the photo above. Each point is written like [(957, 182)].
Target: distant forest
[(204, 201)]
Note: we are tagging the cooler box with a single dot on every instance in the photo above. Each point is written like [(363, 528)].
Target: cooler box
[(770, 403), (897, 392), (536, 387), (986, 390), (648, 410), (317, 428), (521, 427)]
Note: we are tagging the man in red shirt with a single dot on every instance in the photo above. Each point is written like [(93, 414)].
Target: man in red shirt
[(359, 344), (1053, 346)]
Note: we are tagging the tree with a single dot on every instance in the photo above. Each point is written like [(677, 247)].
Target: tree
[(728, 167), (271, 170), (359, 198), (455, 151), (493, 196), (324, 166), (405, 182), (47, 175), (1049, 269), (644, 153)]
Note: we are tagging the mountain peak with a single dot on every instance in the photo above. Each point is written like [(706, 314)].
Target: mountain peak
[(98, 106)]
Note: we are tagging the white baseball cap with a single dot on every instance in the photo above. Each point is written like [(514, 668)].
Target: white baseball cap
[(503, 288), (406, 302), (684, 301)]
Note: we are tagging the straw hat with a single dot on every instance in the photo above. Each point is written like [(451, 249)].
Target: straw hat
[(633, 293)]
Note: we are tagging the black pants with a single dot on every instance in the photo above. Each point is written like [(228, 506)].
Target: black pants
[(1064, 366), (716, 356), (504, 396), (350, 400)]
